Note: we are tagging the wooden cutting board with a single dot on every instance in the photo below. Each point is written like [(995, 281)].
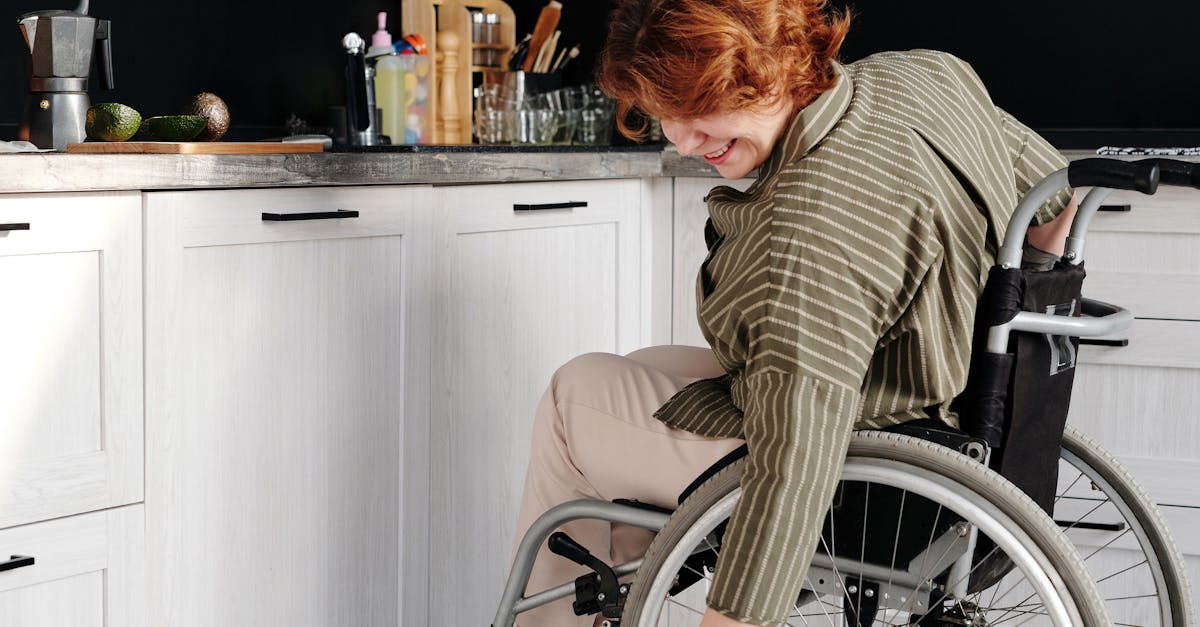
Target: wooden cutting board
[(194, 148)]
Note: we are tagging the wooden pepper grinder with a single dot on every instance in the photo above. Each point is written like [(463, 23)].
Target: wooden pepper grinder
[(448, 48)]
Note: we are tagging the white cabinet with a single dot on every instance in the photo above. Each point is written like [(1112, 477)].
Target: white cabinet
[(1142, 401), (519, 292), (690, 214), (281, 386), (71, 357), (86, 571)]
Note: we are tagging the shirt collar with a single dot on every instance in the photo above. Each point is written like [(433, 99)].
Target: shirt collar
[(811, 124)]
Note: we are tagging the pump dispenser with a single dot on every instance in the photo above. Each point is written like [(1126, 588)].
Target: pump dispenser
[(389, 81)]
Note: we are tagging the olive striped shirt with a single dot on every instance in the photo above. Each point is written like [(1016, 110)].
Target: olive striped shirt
[(839, 293)]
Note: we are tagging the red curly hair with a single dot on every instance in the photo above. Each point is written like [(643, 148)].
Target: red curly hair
[(684, 59)]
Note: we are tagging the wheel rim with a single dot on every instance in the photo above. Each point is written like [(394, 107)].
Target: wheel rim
[(1005, 603), (1096, 504)]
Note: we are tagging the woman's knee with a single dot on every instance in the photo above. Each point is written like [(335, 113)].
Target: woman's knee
[(587, 369), (692, 362)]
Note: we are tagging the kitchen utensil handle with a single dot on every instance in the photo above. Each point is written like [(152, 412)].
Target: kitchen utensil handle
[(552, 205), (104, 54), (15, 562), (356, 92), (15, 226), (312, 215)]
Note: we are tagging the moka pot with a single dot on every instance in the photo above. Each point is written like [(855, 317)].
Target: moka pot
[(58, 59)]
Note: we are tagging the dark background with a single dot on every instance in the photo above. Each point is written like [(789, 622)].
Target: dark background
[(1084, 72)]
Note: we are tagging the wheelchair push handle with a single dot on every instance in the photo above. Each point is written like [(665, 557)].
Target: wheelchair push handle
[(1103, 175), (1176, 173), (1141, 176)]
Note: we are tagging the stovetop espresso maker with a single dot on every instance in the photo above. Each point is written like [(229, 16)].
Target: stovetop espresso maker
[(58, 59)]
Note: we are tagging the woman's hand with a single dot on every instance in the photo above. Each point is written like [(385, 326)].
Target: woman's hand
[(713, 618)]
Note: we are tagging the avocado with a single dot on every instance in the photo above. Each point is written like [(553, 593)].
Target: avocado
[(111, 122), (175, 128), (210, 105)]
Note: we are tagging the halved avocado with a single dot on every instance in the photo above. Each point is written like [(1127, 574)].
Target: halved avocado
[(111, 122), (175, 128)]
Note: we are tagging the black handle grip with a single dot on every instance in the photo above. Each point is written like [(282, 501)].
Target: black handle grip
[(1091, 341), (552, 205), (1177, 173), (1115, 208), (15, 562), (356, 92), (15, 226), (314, 215), (562, 544), (1141, 176), (104, 54)]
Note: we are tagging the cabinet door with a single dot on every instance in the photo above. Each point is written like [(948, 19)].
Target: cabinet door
[(690, 215), (520, 292), (1148, 258), (71, 357), (277, 382), (86, 571)]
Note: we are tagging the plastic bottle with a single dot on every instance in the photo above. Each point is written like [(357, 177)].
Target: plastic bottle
[(389, 82)]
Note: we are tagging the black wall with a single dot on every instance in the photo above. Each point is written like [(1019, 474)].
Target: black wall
[(1059, 64), (267, 59)]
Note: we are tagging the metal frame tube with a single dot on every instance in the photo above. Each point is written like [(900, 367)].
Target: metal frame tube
[(1009, 255), (518, 576), (1073, 250), (1108, 319)]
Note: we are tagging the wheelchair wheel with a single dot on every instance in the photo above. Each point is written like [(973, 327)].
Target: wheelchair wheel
[(1121, 536), (934, 491)]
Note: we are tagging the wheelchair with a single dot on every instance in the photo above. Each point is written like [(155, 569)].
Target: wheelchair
[(933, 525)]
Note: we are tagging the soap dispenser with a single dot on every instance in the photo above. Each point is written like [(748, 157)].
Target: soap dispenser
[(389, 81)]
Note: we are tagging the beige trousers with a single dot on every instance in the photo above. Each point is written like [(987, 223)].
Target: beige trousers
[(595, 437)]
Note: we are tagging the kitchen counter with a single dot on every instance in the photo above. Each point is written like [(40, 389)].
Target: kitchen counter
[(57, 172)]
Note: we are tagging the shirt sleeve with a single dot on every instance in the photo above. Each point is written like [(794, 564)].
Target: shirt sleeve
[(1033, 159), (840, 274)]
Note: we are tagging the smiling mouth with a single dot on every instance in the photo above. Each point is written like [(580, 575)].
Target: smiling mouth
[(716, 154), (720, 155)]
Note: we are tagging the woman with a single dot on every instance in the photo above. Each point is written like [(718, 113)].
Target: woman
[(838, 293)]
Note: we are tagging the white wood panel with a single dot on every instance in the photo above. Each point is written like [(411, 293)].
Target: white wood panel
[(1138, 411), (520, 295), (89, 570), (71, 365), (278, 391), (656, 202), (690, 214), (1159, 295), (1153, 344), (1170, 210)]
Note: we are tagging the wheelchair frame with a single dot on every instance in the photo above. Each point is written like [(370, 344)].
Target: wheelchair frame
[(1103, 175)]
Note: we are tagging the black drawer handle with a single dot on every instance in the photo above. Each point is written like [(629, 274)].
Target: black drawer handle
[(1120, 208), (1078, 524), (552, 205), (15, 562), (15, 226), (1088, 341), (314, 215)]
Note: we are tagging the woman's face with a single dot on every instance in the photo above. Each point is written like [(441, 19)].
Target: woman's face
[(736, 142)]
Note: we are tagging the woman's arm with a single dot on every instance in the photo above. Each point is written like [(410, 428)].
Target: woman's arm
[(1052, 235)]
